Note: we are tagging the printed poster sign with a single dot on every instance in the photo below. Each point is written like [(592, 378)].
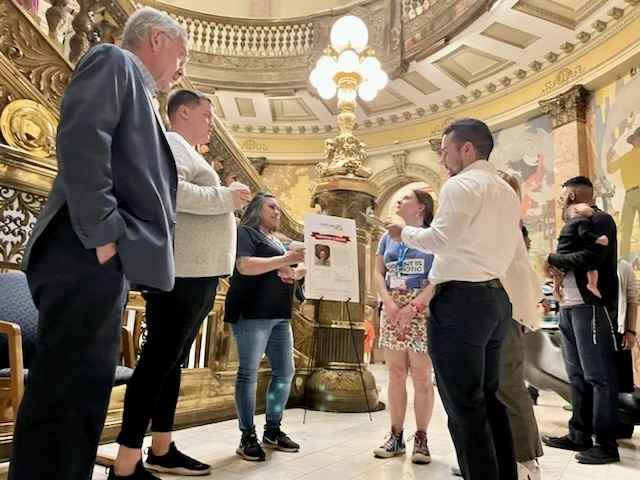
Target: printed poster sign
[(331, 258)]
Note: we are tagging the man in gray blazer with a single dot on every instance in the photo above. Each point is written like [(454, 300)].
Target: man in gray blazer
[(108, 221)]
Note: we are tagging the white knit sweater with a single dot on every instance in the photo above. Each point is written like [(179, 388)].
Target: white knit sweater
[(205, 238)]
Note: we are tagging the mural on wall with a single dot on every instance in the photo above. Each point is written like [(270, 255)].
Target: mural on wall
[(614, 123), (526, 151), (293, 186)]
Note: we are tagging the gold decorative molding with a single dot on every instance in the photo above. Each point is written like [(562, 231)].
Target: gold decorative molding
[(29, 126), (567, 107), (252, 145), (564, 76), (24, 171), (32, 54)]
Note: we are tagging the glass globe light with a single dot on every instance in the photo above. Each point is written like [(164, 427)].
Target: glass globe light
[(348, 61), (379, 79), (327, 66), (367, 91), (349, 31), (316, 77), (369, 66), (327, 90)]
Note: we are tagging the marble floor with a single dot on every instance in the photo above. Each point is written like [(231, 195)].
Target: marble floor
[(338, 447)]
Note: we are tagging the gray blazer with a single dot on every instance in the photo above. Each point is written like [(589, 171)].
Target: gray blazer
[(116, 172)]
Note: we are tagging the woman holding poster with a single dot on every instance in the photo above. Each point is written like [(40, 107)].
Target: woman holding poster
[(402, 283)]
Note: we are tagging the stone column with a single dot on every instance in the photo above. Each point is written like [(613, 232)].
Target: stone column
[(336, 384), (572, 158)]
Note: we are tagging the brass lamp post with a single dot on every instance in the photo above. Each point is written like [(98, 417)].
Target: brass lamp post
[(349, 70)]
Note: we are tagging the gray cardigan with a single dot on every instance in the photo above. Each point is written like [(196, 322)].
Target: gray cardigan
[(205, 238)]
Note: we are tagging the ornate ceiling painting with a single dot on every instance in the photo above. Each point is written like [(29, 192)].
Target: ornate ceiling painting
[(440, 55)]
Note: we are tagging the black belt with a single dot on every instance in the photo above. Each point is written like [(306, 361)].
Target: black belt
[(495, 283)]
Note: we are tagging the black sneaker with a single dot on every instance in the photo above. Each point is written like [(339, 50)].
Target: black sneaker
[(278, 440), (174, 461), (250, 448), (139, 474), (565, 443), (598, 455)]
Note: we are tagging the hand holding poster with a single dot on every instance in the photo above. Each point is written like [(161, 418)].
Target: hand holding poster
[(331, 258)]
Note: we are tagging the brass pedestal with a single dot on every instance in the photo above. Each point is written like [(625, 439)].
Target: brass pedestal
[(336, 384)]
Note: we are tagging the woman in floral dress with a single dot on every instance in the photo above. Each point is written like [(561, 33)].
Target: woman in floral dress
[(403, 286)]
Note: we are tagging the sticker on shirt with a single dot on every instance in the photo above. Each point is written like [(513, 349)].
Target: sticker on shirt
[(413, 266)]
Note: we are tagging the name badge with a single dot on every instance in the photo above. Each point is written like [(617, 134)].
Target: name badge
[(397, 283)]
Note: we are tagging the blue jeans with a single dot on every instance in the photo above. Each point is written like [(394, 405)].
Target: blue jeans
[(254, 338), (588, 347)]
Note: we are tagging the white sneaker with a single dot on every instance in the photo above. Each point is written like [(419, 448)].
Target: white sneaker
[(529, 470)]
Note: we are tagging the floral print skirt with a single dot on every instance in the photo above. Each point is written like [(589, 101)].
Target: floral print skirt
[(413, 338)]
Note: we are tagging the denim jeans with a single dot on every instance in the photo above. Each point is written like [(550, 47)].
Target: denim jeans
[(255, 337), (589, 354)]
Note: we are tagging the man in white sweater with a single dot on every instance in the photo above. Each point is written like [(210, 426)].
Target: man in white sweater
[(205, 250)]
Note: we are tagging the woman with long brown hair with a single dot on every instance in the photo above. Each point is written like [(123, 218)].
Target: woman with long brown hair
[(402, 282)]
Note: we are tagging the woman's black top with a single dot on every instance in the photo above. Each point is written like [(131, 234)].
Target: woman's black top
[(263, 296)]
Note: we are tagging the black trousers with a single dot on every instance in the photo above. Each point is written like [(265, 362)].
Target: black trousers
[(173, 321), (590, 358), (80, 305), (467, 326)]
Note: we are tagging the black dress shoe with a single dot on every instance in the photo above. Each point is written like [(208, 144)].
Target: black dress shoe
[(565, 443), (598, 455), (139, 474)]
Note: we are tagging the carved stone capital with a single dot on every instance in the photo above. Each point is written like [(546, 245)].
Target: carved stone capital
[(567, 107)]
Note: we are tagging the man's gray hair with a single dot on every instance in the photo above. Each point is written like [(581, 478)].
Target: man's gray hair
[(139, 26)]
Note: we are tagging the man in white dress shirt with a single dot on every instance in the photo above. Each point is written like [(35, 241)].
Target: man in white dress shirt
[(205, 249), (473, 236)]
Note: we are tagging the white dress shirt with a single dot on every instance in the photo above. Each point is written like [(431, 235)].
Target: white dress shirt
[(628, 296), (475, 231), (523, 288)]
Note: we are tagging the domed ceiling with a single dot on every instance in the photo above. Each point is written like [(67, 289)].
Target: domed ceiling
[(439, 54)]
